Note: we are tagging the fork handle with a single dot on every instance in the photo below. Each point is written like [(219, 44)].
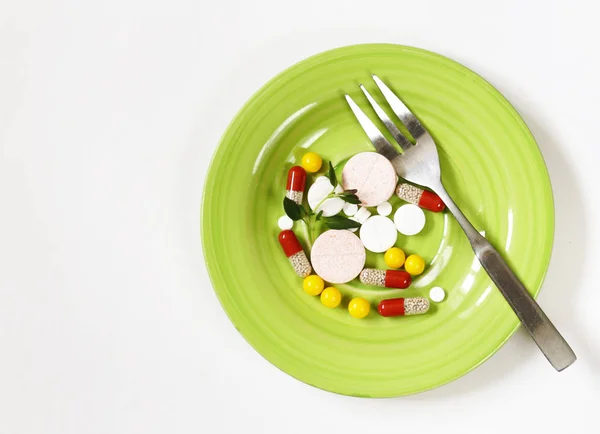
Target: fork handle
[(546, 336)]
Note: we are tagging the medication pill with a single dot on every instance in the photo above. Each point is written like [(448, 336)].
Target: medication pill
[(378, 234), (409, 219), (311, 161), (331, 297), (338, 256), (394, 257), (437, 294), (317, 201), (296, 182), (403, 306), (418, 196), (414, 265), (313, 284), (359, 307), (285, 223), (385, 278), (384, 209), (293, 250), (372, 176), (350, 209), (361, 216)]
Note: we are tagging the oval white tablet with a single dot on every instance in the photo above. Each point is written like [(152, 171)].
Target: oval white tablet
[(409, 219), (372, 175), (384, 209), (350, 209), (285, 223), (319, 191), (338, 256), (378, 234), (362, 215), (437, 294)]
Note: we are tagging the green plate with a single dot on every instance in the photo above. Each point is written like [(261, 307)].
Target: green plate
[(491, 165)]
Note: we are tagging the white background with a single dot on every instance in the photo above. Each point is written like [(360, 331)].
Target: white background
[(109, 114)]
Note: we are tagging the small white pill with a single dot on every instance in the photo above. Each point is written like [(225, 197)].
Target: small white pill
[(350, 209), (362, 215), (409, 219), (437, 294), (285, 223), (378, 234), (384, 209)]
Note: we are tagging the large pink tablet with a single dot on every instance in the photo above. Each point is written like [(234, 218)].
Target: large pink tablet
[(372, 175), (338, 256)]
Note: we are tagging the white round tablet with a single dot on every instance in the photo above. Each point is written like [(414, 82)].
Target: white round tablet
[(437, 294), (285, 223), (372, 176), (378, 234), (319, 191), (350, 209), (338, 256), (384, 209), (409, 219)]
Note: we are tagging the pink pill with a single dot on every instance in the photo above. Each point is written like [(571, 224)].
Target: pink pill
[(338, 256), (372, 175)]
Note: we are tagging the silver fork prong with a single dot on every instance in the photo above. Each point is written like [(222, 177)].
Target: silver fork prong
[(392, 128), (380, 143), (411, 122)]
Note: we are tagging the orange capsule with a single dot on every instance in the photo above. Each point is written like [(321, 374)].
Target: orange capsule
[(293, 250), (296, 182), (403, 306), (418, 196)]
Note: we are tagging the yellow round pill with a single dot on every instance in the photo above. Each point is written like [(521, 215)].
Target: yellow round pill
[(311, 162), (313, 284), (394, 257), (414, 265), (331, 297), (359, 307)]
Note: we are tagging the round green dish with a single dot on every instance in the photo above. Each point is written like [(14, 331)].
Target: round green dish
[(491, 165)]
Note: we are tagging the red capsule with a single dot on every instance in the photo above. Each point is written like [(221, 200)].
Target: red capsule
[(418, 196), (403, 306), (296, 182), (385, 278), (293, 250)]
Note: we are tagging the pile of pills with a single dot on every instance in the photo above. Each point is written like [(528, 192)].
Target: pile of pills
[(338, 256)]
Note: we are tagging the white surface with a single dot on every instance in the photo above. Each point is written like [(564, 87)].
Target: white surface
[(409, 219), (109, 114), (384, 209), (316, 198), (350, 209), (284, 223), (378, 234), (437, 294)]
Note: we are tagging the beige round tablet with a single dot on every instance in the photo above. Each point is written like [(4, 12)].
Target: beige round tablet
[(372, 175), (338, 256)]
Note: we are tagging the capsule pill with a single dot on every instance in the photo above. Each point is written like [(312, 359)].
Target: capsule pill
[(293, 250), (385, 278), (418, 196), (296, 182), (403, 306)]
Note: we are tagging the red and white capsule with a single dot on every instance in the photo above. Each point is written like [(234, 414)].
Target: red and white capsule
[(403, 306), (296, 181), (418, 196), (293, 250), (385, 278)]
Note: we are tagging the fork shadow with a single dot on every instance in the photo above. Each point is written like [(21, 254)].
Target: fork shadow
[(568, 253)]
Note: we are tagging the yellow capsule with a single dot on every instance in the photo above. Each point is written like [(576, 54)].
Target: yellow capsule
[(359, 307), (394, 257), (414, 265), (313, 284), (311, 162), (331, 297)]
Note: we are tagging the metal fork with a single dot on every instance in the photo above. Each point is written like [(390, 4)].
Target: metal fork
[(419, 163)]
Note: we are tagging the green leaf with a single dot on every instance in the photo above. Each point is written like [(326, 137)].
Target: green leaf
[(319, 215), (292, 209), (353, 191), (352, 198), (331, 175), (340, 222)]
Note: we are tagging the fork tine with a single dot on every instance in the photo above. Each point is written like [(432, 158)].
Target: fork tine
[(412, 124), (380, 143), (392, 128)]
